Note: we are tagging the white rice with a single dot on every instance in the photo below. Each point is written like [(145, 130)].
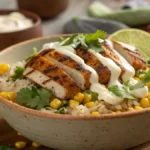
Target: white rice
[(14, 86)]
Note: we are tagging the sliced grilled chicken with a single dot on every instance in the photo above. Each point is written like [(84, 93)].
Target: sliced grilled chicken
[(131, 55), (127, 70), (70, 66), (48, 75), (109, 53), (91, 60)]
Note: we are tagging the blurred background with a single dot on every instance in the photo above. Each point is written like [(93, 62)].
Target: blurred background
[(54, 25), (74, 16)]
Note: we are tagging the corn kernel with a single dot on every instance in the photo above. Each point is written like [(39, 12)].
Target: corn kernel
[(144, 102), (141, 76), (87, 98), (73, 103), (4, 95), (8, 95), (20, 144), (138, 108), (55, 103), (95, 113), (79, 97), (34, 144), (18, 133), (148, 96), (118, 111), (11, 96), (148, 84), (89, 104), (136, 78), (4, 68)]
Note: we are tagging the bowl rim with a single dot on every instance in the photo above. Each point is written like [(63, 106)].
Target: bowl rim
[(63, 116), (34, 17)]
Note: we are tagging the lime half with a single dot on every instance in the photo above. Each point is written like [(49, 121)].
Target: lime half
[(135, 37)]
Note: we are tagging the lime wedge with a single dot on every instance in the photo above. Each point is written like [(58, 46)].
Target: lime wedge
[(135, 37)]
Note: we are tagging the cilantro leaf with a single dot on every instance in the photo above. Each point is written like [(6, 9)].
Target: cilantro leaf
[(122, 92), (93, 94), (18, 74), (61, 111), (34, 53), (90, 38), (86, 41), (5, 147), (69, 40), (33, 98), (143, 82)]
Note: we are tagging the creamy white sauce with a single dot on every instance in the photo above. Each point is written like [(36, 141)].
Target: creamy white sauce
[(101, 90), (104, 94), (129, 70), (130, 47), (111, 65), (72, 54), (140, 92), (14, 21)]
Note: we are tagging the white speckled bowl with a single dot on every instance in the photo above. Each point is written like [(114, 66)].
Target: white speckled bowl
[(65, 132)]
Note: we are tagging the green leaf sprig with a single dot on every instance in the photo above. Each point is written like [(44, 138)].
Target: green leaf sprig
[(143, 82), (122, 92), (35, 98), (86, 41), (18, 74)]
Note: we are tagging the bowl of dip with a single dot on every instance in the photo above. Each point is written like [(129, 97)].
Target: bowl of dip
[(17, 26)]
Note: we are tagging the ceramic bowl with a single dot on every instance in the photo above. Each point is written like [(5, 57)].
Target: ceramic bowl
[(10, 38), (66, 132), (46, 8)]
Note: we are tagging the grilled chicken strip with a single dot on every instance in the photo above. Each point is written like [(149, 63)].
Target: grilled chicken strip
[(103, 72), (131, 55), (109, 53), (70, 66), (49, 76)]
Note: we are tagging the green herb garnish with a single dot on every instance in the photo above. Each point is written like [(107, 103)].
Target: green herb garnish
[(34, 53), (18, 74), (33, 98), (5, 147), (122, 92), (61, 111), (143, 82), (86, 41), (93, 94)]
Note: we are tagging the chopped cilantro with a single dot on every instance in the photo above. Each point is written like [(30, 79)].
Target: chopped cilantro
[(93, 94), (122, 92), (18, 74), (34, 53), (61, 111), (64, 103), (86, 41), (33, 98), (143, 82)]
